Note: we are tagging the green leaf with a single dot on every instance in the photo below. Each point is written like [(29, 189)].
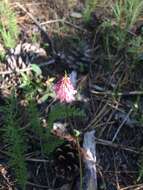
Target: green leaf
[(25, 80), (36, 69), (43, 98), (76, 133)]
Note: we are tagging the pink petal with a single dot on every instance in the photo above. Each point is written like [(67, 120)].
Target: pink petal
[(64, 90)]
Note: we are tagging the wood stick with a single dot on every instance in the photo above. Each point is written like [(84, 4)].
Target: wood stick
[(90, 175), (118, 146), (110, 93)]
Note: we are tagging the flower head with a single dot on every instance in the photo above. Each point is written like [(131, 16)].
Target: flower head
[(64, 90)]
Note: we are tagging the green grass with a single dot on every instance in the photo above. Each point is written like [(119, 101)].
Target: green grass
[(116, 31), (15, 139), (89, 8), (127, 12), (9, 30)]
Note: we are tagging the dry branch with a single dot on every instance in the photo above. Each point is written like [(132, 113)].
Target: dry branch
[(90, 176)]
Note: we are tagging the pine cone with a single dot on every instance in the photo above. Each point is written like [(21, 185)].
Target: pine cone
[(66, 162), (19, 58)]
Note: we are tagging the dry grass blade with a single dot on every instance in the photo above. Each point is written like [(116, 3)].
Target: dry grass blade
[(121, 125)]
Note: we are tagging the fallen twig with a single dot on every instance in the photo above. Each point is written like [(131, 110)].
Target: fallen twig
[(110, 93), (123, 122), (52, 21), (90, 175), (75, 26), (37, 23), (137, 186), (65, 22), (114, 145)]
